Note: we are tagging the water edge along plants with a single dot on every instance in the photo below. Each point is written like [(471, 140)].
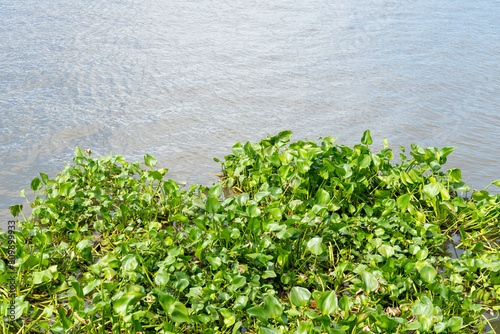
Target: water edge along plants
[(316, 238)]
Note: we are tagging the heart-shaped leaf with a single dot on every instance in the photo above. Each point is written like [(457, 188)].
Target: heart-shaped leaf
[(328, 303), (300, 296), (428, 274), (370, 282)]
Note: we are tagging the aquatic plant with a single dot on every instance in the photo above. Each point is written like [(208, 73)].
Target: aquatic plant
[(315, 238)]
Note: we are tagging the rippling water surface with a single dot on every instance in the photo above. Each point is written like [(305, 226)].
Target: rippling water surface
[(185, 80)]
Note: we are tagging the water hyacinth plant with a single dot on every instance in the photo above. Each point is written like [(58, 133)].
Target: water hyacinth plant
[(297, 238)]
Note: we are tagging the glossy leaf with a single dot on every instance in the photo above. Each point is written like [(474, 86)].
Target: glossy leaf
[(127, 301), (370, 282), (428, 274), (366, 139), (455, 323), (179, 313), (36, 184), (149, 160), (300, 296), (322, 196), (328, 303), (259, 312), (212, 205), (273, 307), (314, 245)]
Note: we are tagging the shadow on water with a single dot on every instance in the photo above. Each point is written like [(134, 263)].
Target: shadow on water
[(451, 250), (450, 247), (495, 326)]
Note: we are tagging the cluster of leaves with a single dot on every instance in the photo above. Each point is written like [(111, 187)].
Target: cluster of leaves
[(314, 239)]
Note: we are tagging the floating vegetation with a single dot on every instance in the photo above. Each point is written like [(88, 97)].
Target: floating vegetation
[(316, 238)]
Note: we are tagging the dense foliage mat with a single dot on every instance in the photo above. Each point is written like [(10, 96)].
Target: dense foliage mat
[(297, 238)]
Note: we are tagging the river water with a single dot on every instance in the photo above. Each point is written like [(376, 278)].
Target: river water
[(185, 80)]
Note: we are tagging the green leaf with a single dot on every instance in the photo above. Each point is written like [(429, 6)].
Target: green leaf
[(428, 274), (179, 313), (215, 191), (156, 175), (162, 277), (237, 327), (182, 281), (242, 199), (212, 205), (215, 262), (480, 195), (20, 306), (439, 327), (29, 262), (363, 161), (386, 250), (15, 210), (345, 304), (36, 184), (328, 303), (300, 296), (282, 138), (44, 177), (259, 312), (479, 246), (304, 327), (370, 282), (276, 213), (260, 195), (128, 299), (253, 210), (314, 245), (149, 160), (166, 300), (273, 307), (78, 289), (268, 274), (422, 254), (238, 150), (432, 189), (366, 139), (328, 141), (229, 317), (79, 152), (425, 322), (302, 166), (267, 330), (444, 152), (43, 276), (412, 326), (403, 202), (240, 302), (88, 288), (275, 192), (461, 186), (455, 324), (322, 196), (445, 195), (454, 175), (66, 323), (129, 263)]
